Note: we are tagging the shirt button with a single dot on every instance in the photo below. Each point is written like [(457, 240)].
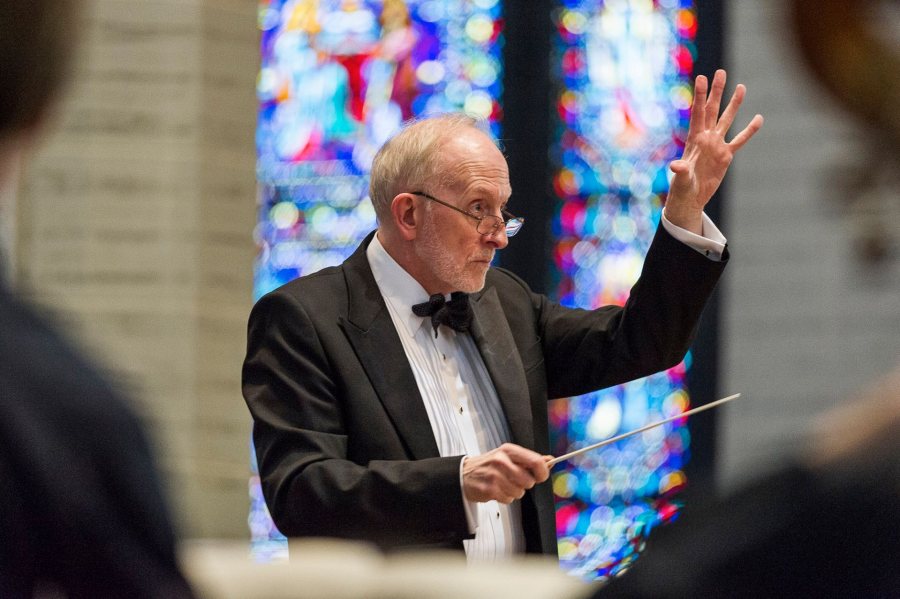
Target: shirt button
[(498, 515), (460, 410)]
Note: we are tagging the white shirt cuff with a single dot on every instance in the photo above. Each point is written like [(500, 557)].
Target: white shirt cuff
[(711, 243), (470, 506)]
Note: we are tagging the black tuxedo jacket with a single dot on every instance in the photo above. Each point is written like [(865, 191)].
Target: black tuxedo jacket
[(342, 437)]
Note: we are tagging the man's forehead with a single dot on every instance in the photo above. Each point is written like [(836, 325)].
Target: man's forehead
[(489, 190), (473, 184), (485, 161)]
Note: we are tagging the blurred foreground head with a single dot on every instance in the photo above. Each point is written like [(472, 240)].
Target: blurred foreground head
[(37, 42)]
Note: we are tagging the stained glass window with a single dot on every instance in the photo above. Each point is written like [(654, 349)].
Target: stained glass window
[(623, 69), (337, 78)]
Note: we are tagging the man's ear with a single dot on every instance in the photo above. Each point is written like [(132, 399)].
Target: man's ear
[(406, 216)]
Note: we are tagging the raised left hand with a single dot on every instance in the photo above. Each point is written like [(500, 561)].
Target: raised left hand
[(707, 156)]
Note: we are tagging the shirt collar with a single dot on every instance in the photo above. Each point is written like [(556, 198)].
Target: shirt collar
[(397, 286)]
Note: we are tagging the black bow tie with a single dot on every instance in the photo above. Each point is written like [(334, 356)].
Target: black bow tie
[(456, 314)]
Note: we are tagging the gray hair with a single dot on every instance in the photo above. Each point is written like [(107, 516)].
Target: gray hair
[(409, 160)]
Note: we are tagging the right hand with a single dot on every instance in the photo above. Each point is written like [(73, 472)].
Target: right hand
[(503, 474)]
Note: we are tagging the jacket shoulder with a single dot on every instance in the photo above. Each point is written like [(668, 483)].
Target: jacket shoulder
[(507, 284), (328, 284)]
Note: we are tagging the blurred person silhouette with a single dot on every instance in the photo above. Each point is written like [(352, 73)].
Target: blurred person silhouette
[(81, 510), (825, 525)]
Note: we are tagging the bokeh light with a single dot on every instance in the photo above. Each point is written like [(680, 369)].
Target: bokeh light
[(624, 70), (336, 80)]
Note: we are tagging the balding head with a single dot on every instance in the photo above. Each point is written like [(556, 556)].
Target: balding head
[(411, 159)]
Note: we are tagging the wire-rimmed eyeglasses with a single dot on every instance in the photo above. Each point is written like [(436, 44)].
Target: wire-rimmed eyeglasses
[(488, 224)]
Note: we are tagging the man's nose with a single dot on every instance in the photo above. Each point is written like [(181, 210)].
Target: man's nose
[(497, 239)]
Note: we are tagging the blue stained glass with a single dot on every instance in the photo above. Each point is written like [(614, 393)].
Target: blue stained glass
[(337, 78), (624, 71)]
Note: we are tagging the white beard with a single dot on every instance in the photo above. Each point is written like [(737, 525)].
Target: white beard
[(442, 263)]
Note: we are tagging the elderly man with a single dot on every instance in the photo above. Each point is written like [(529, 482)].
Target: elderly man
[(401, 397)]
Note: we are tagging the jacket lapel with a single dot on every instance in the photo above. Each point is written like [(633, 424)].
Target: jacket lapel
[(371, 332), (494, 339)]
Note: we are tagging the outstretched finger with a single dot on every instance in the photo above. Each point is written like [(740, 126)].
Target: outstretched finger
[(731, 110), (744, 136), (715, 100), (701, 85), (679, 166)]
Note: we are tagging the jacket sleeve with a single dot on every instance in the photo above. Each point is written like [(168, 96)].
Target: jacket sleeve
[(586, 350)]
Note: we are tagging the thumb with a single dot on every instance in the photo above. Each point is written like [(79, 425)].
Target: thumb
[(679, 167)]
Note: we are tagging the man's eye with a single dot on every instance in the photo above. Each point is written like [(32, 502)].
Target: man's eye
[(477, 209)]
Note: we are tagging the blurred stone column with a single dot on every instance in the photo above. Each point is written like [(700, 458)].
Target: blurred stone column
[(134, 227)]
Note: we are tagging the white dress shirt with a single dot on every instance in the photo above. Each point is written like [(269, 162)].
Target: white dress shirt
[(462, 404), (711, 243), (460, 399)]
